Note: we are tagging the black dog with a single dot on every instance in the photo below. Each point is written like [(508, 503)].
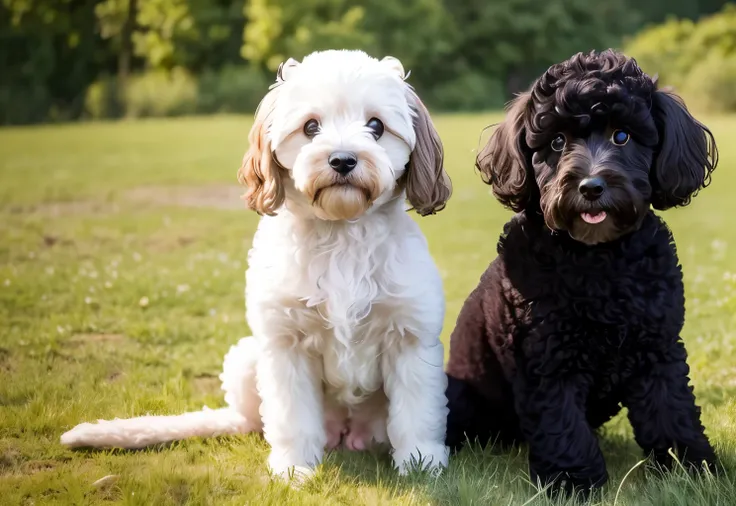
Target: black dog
[(583, 307)]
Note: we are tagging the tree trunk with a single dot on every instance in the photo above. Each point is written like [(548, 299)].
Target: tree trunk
[(126, 51)]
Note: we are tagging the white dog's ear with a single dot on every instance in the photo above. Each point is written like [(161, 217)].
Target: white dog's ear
[(428, 186), (286, 69), (259, 172), (395, 65)]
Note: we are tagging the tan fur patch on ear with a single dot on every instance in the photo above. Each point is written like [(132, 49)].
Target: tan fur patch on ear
[(428, 186), (259, 171)]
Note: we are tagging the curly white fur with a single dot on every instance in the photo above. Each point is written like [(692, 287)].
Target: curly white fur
[(346, 312)]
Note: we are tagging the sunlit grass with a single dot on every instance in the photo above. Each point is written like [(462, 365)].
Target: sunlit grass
[(122, 253)]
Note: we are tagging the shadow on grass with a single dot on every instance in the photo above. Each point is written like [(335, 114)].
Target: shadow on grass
[(500, 476), (474, 476), (494, 475)]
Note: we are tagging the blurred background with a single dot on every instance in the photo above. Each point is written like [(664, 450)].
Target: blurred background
[(66, 60)]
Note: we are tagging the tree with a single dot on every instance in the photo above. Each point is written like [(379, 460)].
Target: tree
[(282, 29), (410, 30), (148, 30), (462, 54), (126, 43), (49, 54), (676, 47), (515, 40), (660, 11)]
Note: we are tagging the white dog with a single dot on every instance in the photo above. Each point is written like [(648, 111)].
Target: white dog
[(344, 301)]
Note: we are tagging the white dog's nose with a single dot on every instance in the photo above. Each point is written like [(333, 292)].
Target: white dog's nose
[(342, 162)]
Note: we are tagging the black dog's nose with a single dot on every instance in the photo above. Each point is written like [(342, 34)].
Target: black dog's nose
[(592, 188), (342, 162)]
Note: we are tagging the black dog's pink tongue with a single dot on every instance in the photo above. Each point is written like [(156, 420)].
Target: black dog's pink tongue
[(593, 218)]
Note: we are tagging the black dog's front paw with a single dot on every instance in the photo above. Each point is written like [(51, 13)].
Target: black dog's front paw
[(567, 483), (694, 460)]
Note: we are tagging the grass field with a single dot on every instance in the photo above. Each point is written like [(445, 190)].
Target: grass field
[(122, 258)]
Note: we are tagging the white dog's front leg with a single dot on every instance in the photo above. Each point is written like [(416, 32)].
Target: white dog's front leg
[(289, 383), (415, 384)]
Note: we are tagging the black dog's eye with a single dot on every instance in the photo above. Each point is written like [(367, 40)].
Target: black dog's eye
[(620, 138), (558, 143), (311, 128), (375, 125)]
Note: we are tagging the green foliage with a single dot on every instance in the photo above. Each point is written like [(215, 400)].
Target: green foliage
[(49, 54), (161, 93), (514, 40), (713, 37), (419, 32), (694, 57), (281, 29), (469, 91), (657, 49), (711, 86), (163, 23), (233, 89), (51, 51), (462, 54), (659, 12), (216, 37), (505, 42), (111, 16), (102, 100)]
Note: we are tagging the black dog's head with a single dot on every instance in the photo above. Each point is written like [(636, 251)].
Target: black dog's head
[(593, 144)]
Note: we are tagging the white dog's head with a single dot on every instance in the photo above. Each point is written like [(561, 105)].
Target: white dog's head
[(340, 134)]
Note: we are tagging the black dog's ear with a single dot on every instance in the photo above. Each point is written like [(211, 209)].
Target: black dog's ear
[(504, 159), (685, 157)]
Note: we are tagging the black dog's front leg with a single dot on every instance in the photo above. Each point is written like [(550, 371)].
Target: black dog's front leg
[(563, 451), (663, 413)]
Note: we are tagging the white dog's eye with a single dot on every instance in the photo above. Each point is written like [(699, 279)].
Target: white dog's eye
[(558, 143), (375, 125), (620, 137), (311, 128)]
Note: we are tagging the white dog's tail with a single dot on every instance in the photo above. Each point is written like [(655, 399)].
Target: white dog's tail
[(241, 415), (148, 430)]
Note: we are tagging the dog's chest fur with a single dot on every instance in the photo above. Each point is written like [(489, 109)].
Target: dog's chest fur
[(342, 291), (593, 310)]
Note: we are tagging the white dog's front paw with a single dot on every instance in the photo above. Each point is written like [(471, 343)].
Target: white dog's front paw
[(432, 457), (284, 466)]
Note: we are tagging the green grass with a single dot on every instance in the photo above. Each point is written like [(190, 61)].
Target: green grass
[(122, 258)]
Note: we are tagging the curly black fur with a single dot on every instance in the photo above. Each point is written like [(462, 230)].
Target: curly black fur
[(573, 319)]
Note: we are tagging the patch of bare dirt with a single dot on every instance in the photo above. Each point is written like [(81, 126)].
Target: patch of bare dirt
[(208, 196), (5, 362), (205, 196), (56, 209), (39, 466), (10, 458), (96, 338), (114, 375), (166, 244)]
